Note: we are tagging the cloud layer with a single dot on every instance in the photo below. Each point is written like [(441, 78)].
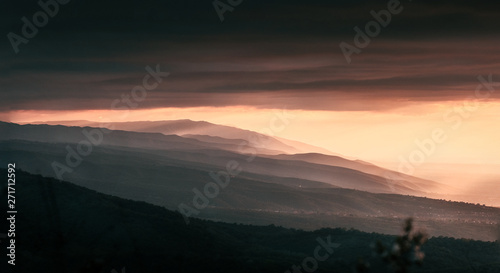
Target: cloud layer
[(265, 54)]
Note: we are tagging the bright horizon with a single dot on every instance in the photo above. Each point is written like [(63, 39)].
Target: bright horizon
[(379, 137)]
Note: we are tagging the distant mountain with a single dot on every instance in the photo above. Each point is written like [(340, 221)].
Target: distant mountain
[(214, 155), (231, 137), (73, 134), (159, 177), (62, 227), (293, 190), (261, 149), (306, 148), (412, 182), (201, 129)]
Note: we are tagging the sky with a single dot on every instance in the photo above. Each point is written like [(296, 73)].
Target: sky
[(419, 73)]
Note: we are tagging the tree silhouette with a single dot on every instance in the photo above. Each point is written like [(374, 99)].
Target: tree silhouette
[(405, 251)]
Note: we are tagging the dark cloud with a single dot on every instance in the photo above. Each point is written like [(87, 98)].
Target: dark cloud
[(265, 54)]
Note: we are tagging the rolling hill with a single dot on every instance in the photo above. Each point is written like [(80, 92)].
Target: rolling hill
[(293, 190), (160, 178), (202, 129), (67, 228), (216, 155)]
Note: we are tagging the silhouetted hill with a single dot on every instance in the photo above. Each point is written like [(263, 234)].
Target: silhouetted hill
[(160, 177), (166, 169), (216, 155), (62, 227), (192, 129)]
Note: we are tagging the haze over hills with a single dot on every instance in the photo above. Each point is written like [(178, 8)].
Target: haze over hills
[(416, 183), (201, 129), (291, 190), (217, 155), (465, 185), (64, 134)]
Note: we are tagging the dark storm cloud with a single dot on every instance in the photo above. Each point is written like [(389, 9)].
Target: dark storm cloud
[(91, 52)]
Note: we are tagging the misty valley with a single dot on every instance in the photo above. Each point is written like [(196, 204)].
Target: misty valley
[(159, 186)]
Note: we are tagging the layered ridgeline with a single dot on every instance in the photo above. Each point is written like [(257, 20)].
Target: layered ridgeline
[(302, 190), (203, 131), (236, 144), (62, 227)]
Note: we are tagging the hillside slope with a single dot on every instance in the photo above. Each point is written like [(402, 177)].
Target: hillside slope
[(216, 155), (66, 228), (160, 178)]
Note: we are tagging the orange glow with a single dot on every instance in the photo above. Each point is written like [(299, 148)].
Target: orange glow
[(376, 136), (466, 159)]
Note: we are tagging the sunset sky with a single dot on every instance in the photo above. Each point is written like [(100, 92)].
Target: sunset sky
[(418, 75)]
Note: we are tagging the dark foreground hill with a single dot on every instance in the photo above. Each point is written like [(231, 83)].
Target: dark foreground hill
[(62, 227), (164, 178)]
